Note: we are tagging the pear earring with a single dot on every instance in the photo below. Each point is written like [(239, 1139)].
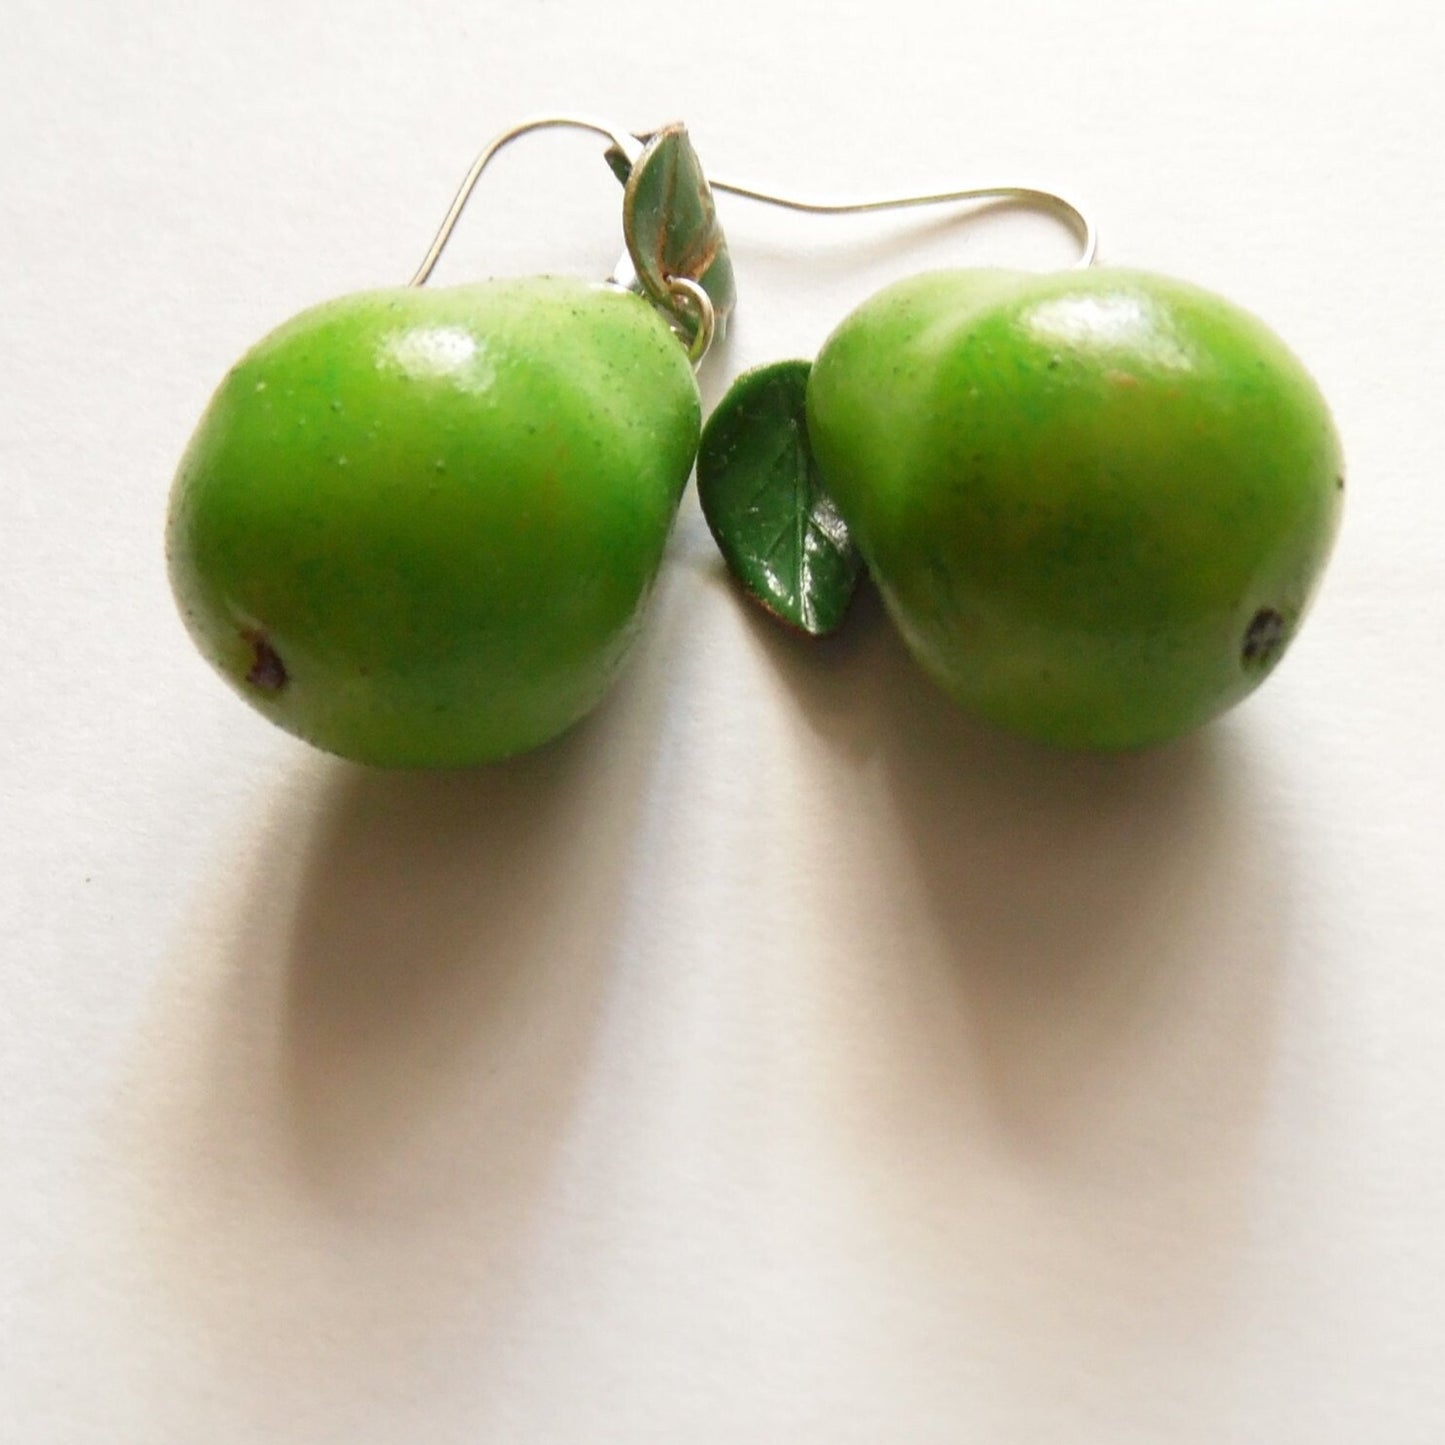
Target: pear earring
[(1096, 502), (418, 526)]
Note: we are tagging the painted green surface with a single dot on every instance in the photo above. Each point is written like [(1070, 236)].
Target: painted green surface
[(774, 523), (417, 527), (1096, 503)]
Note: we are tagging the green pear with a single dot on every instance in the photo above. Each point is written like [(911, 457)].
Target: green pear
[(418, 527), (1096, 503)]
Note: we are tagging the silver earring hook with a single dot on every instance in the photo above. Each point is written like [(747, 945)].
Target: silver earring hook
[(696, 300), (1065, 210), (626, 145), (624, 150)]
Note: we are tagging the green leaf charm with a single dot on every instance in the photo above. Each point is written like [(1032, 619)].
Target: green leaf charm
[(671, 224), (774, 522)]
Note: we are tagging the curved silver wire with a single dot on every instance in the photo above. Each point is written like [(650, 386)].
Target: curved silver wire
[(694, 297), (1066, 210), (688, 292), (628, 145)]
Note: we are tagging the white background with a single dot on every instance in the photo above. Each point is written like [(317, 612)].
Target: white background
[(780, 1057)]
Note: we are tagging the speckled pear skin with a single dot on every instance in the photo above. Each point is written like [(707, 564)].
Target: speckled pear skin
[(418, 527), (1097, 503)]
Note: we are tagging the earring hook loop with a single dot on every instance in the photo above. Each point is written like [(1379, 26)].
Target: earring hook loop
[(629, 147), (1083, 228), (621, 142), (696, 299)]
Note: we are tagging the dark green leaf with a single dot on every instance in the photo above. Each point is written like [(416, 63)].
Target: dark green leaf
[(671, 225), (773, 520)]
